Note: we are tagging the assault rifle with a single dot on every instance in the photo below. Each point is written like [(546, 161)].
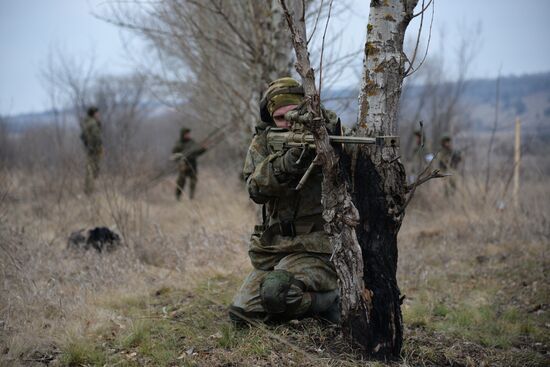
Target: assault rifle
[(279, 139)]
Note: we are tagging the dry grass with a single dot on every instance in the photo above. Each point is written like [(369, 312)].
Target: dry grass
[(50, 294), (475, 279)]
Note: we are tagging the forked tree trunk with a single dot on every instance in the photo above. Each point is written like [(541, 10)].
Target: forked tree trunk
[(379, 176), (371, 311)]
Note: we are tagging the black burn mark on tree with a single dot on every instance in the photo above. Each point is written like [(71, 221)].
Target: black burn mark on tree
[(377, 235)]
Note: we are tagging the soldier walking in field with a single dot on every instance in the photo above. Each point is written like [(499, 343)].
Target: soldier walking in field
[(93, 145), (448, 161), (185, 152), (293, 276)]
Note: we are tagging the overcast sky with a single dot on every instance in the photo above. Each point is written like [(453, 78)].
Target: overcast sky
[(515, 37)]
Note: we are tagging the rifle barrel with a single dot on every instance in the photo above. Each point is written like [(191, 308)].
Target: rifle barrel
[(281, 137), (308, 138), (352, 139)]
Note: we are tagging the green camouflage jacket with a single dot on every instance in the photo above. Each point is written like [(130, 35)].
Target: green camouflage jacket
[(449, 159), (190, 150), (91, 136), (284, 207)]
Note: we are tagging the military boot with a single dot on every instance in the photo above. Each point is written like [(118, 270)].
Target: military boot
[(192, 186), (178, 194), (326, 305)]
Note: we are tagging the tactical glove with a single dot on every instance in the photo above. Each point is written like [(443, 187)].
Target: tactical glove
[(293, 162)]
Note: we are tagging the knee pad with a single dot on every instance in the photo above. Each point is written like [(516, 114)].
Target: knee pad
[(274, 289)]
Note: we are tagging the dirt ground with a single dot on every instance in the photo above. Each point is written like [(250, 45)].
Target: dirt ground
[(475, 276)]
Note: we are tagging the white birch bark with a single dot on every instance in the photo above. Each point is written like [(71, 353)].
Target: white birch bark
[(379, 176), (383, 66)]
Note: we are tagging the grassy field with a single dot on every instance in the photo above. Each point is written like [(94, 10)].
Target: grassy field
[(476, 280)]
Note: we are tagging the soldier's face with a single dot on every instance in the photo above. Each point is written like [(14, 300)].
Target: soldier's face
[(279, 116)]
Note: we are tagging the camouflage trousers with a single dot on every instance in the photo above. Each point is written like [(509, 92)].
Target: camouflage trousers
[(314, 273), (182, 180), (92, 172), (450, 184)]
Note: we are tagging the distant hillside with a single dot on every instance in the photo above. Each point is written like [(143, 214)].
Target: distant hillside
[(21, 122), (525, 96), (512, 89)]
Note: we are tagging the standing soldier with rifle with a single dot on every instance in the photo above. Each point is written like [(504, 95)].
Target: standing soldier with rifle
[(93, 145), (448, 161), (185, 152)]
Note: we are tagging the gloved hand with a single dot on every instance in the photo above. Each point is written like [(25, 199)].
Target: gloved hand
[(288, 163), (301, 116)]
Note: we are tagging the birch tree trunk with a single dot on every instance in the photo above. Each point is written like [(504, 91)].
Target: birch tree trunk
[(379, 176)]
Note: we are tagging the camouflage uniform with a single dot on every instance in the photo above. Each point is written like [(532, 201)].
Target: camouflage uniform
[(91, 138), (290, 251), (448, 161), (187, 166)]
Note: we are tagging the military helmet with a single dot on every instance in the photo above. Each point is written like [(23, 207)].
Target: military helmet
[(280, 92), (445, 137), (91, 111)]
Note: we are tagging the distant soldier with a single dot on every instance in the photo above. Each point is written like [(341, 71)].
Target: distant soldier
[(448, 160), (293, 276), (91, 138), (185, 153)]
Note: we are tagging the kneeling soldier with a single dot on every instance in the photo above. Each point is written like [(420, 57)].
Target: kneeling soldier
[(290, 252)]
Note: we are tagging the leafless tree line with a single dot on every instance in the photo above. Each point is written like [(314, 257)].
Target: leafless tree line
[(73, 85), (211, 62), (214, 58), (435, 94)]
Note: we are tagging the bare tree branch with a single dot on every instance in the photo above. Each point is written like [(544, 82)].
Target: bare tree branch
[(323, 50), (408, 72)]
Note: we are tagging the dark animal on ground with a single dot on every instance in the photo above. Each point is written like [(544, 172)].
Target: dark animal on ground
[(99, 238)]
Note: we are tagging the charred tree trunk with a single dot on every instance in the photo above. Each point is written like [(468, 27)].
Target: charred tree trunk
[(379, 176)]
